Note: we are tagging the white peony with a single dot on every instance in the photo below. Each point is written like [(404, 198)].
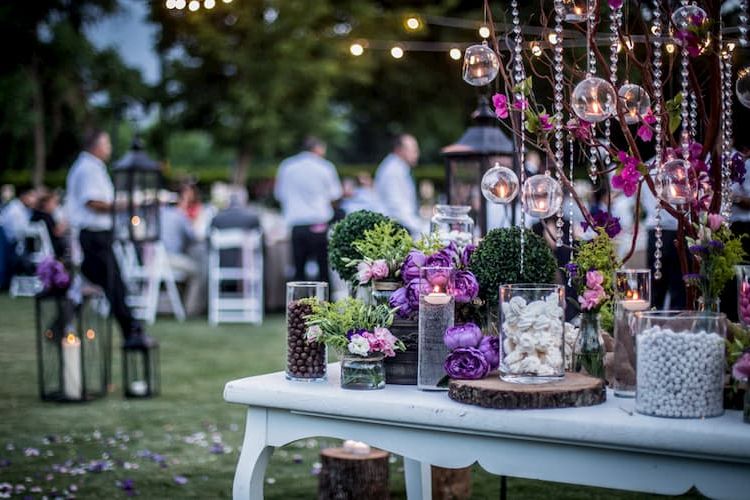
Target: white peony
[(359, 345)]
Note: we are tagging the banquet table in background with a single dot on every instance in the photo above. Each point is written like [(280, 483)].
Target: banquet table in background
[(606, 446)]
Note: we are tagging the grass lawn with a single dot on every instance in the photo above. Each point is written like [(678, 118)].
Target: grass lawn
[(183, 444)]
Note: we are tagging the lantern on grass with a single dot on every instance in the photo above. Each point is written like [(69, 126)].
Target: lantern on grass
[(137, 180), (140, 370), (73, 346), (482, 146)]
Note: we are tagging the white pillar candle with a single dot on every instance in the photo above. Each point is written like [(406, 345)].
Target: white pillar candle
[(437, 298), (71, 367), (635, 304)]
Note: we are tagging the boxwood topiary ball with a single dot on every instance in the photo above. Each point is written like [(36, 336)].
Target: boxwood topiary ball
[(344, 233), (497, 261)]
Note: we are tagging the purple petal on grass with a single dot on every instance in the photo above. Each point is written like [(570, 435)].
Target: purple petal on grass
[(181, 480), (217, 449)]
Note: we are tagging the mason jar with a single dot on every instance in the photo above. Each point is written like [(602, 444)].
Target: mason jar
[(680, 363), (304, 360), (452, 223), (532, 332)]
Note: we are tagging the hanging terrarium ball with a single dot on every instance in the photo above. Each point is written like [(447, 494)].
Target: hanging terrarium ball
[(594, 99), (480, 65), (676, 184), (575, 11), (500, 184), (635, 102), (742, 87), (541, 196), (688, 15)]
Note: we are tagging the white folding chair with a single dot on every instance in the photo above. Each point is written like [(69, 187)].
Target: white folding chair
[(245, 303), (144, 275), (37, 244)]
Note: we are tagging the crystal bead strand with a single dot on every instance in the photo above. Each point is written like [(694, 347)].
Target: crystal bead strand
[(615, 19), (519, 76), (571, 165), (743, 23), (590, 70), (558, 97), (685, 104), (658, 145), (727, 132)]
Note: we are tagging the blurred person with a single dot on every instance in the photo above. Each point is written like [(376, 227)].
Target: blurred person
[(7, 193), (14, 218), (360, 194), (90, 202), (185, 253), (395, 185), (237, 215), (307, 185), (45, 211)]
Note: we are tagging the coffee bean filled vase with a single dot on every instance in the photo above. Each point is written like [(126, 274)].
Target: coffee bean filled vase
[(305, 361)]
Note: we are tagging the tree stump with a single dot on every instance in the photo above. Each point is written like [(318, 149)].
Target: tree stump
[(451, 484), (346, 476), (573, 390)]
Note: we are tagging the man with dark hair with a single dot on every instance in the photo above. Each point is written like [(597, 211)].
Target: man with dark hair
[(395, 185), (90, 198), (306, 186)]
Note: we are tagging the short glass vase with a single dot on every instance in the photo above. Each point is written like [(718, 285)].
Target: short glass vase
[(362, 373)]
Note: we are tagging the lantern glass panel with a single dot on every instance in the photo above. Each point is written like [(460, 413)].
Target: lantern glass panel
[(141, 372)]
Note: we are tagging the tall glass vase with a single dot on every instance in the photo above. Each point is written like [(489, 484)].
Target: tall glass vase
[(589, 351), (436, 314), (632, 294)]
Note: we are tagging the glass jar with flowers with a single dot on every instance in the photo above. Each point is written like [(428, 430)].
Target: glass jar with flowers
[(360, 333)]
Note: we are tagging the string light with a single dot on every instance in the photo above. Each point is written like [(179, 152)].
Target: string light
[(455, 54), (194, 5), (171, 4), (484, 31), (356, 49), (670, 48), (209, 4), (180, 4), (552, 38), (412, 23), (397, 52), (536, 49)]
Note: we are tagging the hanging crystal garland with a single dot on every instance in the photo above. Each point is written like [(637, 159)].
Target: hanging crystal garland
[(615, 21), (558, 98), (727, 132), (743, 23), (571, 166), (519, 75), (658, 145)]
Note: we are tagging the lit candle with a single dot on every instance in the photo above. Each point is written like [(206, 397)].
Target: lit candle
[(138, 387), (71, 367), (438, 297), (539, 204), (501, 190), (675, 195), (633, 302)]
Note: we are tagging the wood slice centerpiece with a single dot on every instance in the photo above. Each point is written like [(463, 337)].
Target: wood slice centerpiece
[(573, 390), (348, 476)]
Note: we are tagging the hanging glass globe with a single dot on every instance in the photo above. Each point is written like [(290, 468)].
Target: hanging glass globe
[(541, 196), (676, 184), (480, 65), (500, 184), (594, 99), (575, 11), (635, 102), (688, 15), (742, 87)]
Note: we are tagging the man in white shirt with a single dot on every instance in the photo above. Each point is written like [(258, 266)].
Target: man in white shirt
[(14, 219), (306, 186), (90, 196), (395, 184)]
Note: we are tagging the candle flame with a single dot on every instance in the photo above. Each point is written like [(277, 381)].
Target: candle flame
[(90, 334), (436, 289), (135, 220), (632, 295), (70, 339)]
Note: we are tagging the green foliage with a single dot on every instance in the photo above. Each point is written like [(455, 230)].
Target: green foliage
[(336, 319), (496, 261), (673, 110), (341, 246), (597, 254), (720, 265), (387, 241), (429, 244)]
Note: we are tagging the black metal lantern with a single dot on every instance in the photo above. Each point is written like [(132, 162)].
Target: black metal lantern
[(137, 180), (140, 370), (479, 148), (73, 346)]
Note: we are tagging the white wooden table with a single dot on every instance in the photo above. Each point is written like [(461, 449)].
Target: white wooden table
[(606, 445)]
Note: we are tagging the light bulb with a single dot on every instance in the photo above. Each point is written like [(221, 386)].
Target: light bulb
[(397, 52), (412, 23), (356, 49), (484, 31), (552, 38), (455, 54), (536, 49), (194, 5), (209, 4)]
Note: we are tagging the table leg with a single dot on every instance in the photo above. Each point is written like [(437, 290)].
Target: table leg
[(254, 457), (418, 476)]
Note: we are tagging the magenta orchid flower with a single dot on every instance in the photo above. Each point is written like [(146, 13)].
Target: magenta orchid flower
[(545, 122), (615, 4), (500, 103), (521, 104)]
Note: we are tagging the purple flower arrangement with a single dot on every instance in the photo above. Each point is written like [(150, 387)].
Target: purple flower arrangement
[(602, 219), (741, 368), (52, 274), (464, 286), (472, 355)]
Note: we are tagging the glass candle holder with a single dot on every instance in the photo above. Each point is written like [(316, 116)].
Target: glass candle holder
[(532, 332), (362, 373), (632, 294), (743, 294), (305, 361), (680, 363), (436, 315), (452, 223)]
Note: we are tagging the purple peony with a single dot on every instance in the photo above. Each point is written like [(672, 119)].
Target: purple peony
[(737, 168), (444, 258), (410, 268), (741, 368), (602, 219), (490, 348), (465, 287), (379, 270), (467, 253), (466, 363), (52, 274), (467, 335), (406, 299)]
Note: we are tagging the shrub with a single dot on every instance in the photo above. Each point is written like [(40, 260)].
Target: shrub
[(496, 261), (344, 233)]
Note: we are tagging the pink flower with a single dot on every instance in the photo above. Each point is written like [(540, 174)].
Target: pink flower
[(594, 279), (386, 341), (580, 129), (615, 4), (715, 221), (649, 117), (546, 122), (627, 181), (500, 102), (379, 270), (364, 272), (521, 104), (645, 133), (591, 298)]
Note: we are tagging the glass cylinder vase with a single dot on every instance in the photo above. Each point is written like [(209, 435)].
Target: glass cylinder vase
[(452, 223), (362, 373), (680, 363), (743, 293), (436, 315), (382, 291), (632, 294), (532, 332), (305, 361), (589, 350)]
